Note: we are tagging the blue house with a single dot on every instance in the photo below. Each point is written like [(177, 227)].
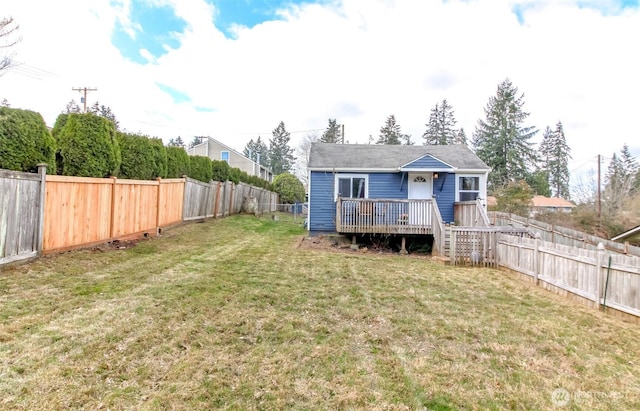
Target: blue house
[(391, 189)]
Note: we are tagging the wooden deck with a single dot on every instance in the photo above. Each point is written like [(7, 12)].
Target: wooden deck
[(385, 216)]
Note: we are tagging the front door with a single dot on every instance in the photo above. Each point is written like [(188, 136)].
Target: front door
[(420, 188)]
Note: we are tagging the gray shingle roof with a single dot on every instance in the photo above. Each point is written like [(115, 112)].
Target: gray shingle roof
[(375, 156)]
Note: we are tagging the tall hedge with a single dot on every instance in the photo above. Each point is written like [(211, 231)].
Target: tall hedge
[(201, 168), (25, 141), (138, 159), (178, 162), (87, 146), (159, 157), (221, 170)]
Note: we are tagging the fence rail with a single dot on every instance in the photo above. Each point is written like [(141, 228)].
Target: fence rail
[(40, 213)]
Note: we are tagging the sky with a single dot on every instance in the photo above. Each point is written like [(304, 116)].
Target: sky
[(234, 69)]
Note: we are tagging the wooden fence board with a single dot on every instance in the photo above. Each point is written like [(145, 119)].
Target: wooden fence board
[(82, 211), (170, 201), (20, 221), (579, 271), (78, 211)]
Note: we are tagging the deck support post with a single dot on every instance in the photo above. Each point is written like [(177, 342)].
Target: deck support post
[(353, 240), (403, 248)]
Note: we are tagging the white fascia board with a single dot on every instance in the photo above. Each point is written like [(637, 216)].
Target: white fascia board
[(428, 170)]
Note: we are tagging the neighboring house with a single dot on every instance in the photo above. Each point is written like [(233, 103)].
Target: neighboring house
[(396, 189), (216, 150), (631, 236), (541, 204)]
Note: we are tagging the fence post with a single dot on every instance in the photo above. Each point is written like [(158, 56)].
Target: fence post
[(599, 264), (112, 220), (42, 172), (158, 205), (185, 197), (536, 258)]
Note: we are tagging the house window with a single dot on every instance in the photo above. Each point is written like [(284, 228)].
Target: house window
[(468, 188), (224, 156), (352, 186)]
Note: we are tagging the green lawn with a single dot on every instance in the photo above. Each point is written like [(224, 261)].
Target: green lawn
[(234, 314)]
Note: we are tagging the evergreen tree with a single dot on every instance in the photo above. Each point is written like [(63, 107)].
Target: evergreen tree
[(441, 127), (502, 141), (106, 112), (407, 140), (176, 142), (280, 154), (555, 155), (390, 133), (196, 140), (333, 133), (629, 163), (461, 137), (257, 151), (72, 107), (616, 185)]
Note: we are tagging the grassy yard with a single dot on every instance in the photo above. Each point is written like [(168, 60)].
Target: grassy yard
[(234, 314)]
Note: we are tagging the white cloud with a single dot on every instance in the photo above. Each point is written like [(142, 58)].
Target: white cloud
[(357, 61)]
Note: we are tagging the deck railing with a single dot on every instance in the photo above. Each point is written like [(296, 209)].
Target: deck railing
[(385, 216), (471, 214), (439, 233)]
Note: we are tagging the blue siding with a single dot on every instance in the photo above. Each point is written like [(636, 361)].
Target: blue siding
[(322, 208), (427, 161), (444, 190), (387, 185)]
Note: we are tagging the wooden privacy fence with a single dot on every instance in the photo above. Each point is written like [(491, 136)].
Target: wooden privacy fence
[(21, 214), (40, 213), (561, 235), (606, 279), (220, 199), (82, 211)]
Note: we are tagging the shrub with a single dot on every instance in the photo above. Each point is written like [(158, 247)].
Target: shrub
[(159, 158), (201, 168), (25, 141), (289, 188), (138, 162), (178, 162), (221, 171), (87, 146)]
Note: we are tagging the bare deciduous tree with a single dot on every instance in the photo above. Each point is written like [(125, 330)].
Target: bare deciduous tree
[(302, 154), (8, 39)]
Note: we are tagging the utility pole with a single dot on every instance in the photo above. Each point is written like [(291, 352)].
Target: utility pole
[(84, 98), (342, 134)]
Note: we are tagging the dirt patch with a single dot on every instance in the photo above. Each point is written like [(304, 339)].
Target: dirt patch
[(117, 245), (344, 244)]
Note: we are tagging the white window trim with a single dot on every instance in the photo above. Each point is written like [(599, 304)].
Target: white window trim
[(339, 176), (482, 194), (228, 160)]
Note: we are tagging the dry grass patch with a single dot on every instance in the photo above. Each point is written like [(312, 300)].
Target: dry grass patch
[(232, 314)]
